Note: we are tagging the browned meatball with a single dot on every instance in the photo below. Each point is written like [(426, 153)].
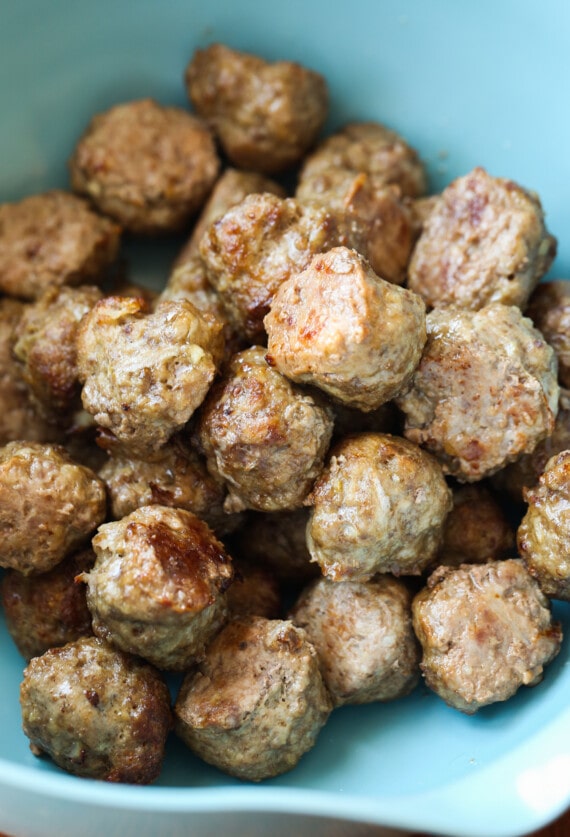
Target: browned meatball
[(150, 167), (257, 702), (263, 435), (230, 189), (254, 592), (175, 477), (341, 328), (476, 530), (52, 239), (48, 610), (485, 391), (19, 418), (266, 115), (145, 373), (549, 309), (277, 540), (379, 506), (363, 634), (157, 586), (485, 241), (542, 537), (369, 148), (256, 246), (46, 345), (49, 505), (485, 631), (97, 712)]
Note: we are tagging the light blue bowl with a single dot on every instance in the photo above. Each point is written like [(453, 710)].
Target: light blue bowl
[(466, 83)]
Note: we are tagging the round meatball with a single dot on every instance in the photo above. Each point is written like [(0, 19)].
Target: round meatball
[(257, 702), (148, 166), (369, 148), (363, 634), (97, 712), (230, 189), (379, 506), (263, 435), (266, 115), (157, 585), (542, 537), (256, 246), (145, 373), (52, 239), (46, 345), (175, 477), (485, 630), (549, 309), (485, 241), (48, 610), (476, 530), (341, 328), (49, 505), (485, 391), (254, 592)]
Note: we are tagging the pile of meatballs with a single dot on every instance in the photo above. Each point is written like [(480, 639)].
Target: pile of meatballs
[(283, 475)]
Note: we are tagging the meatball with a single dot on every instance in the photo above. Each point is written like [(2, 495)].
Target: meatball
[(254, 592), (264, 436), (542, 537), (549, 309), (145, 373), (175, 477), (148, 166), (363, 634), (369, 148), (485, 241), (257, 702), (97, 712), (341, 328), (157, 585), (379, 506), (476, 529), (485, 391), (230, 189), (256, 246), (485, 630), (52, 239), (266, 115), (49, 505), (46, 345), (48, 610)]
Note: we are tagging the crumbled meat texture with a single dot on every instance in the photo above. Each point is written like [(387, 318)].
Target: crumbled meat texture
[(48, 610), (263, 435), (542, 536), (177, 476), (257, 702), (256, 246), (485, 391), (485, 241), (265, 115), (157, 586), (230, 189), (97, 712), (371, 149), (363, 635), (485, 630), (254, 592), (145, 373), (379, 506), (148, 166), (49, 505), (52, 239), (46, 346), (476, 530), (549, 309), (339, 327)]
